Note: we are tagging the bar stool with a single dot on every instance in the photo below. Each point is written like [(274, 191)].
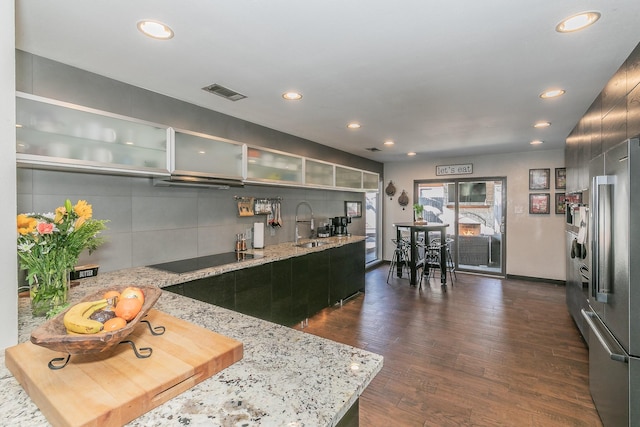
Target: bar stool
[(432, 259), (400, 258), (424, 259), (450, 264)]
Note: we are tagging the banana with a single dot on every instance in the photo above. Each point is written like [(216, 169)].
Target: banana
[(77, 320)]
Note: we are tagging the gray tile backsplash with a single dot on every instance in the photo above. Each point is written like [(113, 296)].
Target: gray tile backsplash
[(152, 247), (150, 224), (74, 185), (164, 213), (114, 254)]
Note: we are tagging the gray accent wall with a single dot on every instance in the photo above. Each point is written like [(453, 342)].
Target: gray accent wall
[(150, 224), (51, 79)]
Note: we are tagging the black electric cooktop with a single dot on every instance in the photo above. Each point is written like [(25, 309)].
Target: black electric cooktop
[(193, 264)]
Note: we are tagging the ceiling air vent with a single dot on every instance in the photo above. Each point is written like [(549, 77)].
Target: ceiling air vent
[(373, 149), (224, 92)]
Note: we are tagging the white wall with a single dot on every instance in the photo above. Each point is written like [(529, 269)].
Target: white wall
[(535, 243), (8, 295)]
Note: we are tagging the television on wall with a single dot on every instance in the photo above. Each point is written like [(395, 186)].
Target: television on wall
[(470, 192)]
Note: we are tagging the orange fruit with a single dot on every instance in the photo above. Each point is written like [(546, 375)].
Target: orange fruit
[(112, 294), (114, 324), (128, 308), (132, 292)]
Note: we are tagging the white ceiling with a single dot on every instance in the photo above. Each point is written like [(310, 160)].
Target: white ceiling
[(440, 78)]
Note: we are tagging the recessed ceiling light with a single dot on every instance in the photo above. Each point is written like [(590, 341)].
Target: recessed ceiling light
[(201, 152), (354, 125), (18, 125), (292, 96), (551, 93), (577, 22), (128, 142), (542, 125), (155, 29), (389, 142), (536, 142), (411, 153)]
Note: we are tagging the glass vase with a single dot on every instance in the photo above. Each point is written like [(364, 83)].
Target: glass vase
[(49, 291)]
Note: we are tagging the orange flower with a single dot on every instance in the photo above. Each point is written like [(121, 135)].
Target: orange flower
[(26, 224), (83, 209), (79, 222), (60, 213)]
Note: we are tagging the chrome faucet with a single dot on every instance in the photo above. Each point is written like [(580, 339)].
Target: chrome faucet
[(297, 234)]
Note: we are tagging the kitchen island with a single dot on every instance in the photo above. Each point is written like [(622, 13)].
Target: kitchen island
[(286, 377)]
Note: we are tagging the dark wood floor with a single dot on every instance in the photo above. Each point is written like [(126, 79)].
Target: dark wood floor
[(488, 352)]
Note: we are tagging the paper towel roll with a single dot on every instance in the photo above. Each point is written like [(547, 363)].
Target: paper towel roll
[(258, 235)]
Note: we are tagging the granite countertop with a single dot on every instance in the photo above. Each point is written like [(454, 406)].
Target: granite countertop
[(270, 253), (286, 377)]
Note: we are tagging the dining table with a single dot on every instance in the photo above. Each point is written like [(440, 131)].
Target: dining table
[(423, 227)]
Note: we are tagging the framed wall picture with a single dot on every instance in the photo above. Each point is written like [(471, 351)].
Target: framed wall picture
[(353, 209), (561, 203), (539, 203), (561, 178), (539, 179)]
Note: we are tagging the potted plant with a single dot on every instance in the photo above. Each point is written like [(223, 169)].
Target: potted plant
[(418, 209)]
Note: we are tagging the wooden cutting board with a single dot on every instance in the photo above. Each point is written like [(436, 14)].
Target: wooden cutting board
[(113, 389)]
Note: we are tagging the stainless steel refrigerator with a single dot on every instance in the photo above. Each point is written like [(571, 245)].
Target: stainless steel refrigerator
[(613, 315)]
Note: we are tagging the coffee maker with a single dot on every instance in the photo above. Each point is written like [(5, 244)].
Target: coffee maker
[(339, 225)]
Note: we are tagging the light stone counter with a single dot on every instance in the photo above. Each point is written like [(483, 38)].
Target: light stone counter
[(286, 377)]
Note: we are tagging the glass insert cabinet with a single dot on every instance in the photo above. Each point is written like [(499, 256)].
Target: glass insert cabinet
[(318, 173), (348, 177), (273, 166), (52, 134), (204, 155)]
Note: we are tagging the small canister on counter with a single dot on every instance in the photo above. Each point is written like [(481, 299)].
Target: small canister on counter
[(238, 242)]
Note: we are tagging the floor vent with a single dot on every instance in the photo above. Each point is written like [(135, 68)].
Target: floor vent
[(373, 149), (224, 92)]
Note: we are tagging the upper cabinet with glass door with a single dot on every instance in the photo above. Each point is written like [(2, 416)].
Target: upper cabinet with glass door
[(317, 173), (56, 134), (197, 154), (370, 181), (348, 177), (269, 166)]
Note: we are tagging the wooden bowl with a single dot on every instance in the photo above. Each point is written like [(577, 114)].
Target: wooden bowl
[(53, 335)]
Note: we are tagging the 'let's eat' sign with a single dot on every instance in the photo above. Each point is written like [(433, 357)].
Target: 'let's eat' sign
[(454, 169)]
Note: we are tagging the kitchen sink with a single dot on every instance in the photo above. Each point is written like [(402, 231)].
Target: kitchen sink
[(312, 244)]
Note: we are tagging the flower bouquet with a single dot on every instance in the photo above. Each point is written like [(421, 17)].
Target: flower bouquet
[(49, 246)]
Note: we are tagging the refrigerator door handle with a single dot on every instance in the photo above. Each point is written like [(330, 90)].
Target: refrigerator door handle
[(623, 358), (600, 288), (584, 271)]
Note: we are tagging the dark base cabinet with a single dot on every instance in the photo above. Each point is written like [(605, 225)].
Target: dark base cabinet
[(253, 291), (318, 279), (347, 271), (219, 290), (282, 301), (287, 291)]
